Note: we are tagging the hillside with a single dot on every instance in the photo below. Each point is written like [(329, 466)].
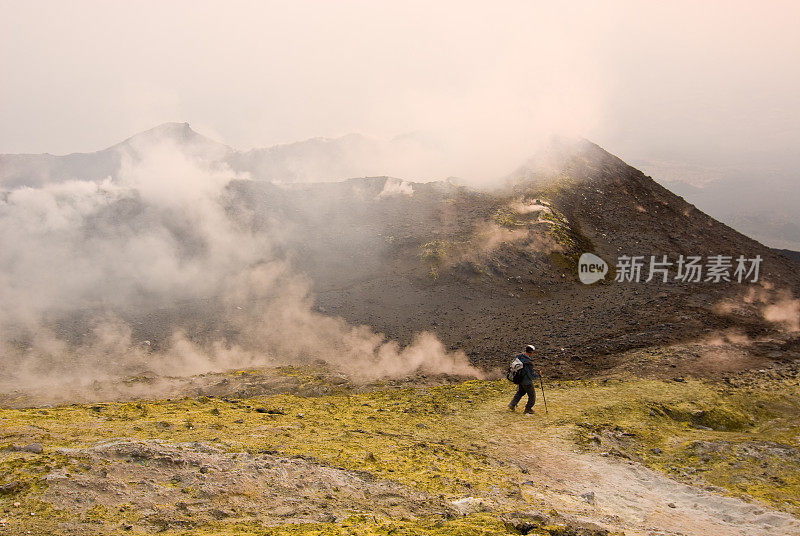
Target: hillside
[(324, 457), (484, 270), (192, 349)]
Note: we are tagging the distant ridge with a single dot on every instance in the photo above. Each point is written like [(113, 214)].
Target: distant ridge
[(314, 160), (789, 254), (36, 170)]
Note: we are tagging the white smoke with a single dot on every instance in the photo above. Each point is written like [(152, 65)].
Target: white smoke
[(394, 187), (161, 234), (778, 306)]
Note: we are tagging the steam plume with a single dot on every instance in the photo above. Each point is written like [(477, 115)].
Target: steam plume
[(83, 262)]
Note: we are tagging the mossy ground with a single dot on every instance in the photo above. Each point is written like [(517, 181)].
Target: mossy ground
[(746, 442), (449, 441), (368, 525)]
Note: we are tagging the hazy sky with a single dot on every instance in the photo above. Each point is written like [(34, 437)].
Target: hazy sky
[(694, 82)]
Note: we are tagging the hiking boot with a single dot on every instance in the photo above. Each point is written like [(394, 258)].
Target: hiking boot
[(528, 412), (512, 407)]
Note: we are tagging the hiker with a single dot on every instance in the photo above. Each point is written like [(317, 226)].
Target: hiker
[(524, 380)]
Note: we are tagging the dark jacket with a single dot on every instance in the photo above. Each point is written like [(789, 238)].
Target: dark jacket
[(528, 373)]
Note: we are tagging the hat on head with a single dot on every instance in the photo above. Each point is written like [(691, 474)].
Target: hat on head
[(530, 348)]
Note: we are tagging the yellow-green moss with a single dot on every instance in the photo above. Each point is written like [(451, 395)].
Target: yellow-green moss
[(661, 424), (505, 217), (435, 252), (448, 441), (368, 525)]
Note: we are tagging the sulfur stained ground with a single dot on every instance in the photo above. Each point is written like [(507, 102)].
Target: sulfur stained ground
[(623, 455)]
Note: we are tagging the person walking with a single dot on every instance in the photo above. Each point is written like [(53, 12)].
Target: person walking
[(526, 376)]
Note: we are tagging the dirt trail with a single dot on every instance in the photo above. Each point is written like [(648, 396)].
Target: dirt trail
[(631, 498)]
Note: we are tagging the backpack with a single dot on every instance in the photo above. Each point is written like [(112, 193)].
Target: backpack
[(514, 373)]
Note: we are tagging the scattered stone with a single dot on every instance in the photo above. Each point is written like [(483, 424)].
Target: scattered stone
[(618, 453), (218, 514), (655, 450), (672, 505), (10, 487), (468, 505), (588, 497), (523, 524), (270, 411), (35, 448)]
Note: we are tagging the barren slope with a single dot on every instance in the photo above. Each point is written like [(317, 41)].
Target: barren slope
[(489, 270), (486, 270)]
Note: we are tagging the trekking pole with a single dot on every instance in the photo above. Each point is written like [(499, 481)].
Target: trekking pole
[(541, 384)]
